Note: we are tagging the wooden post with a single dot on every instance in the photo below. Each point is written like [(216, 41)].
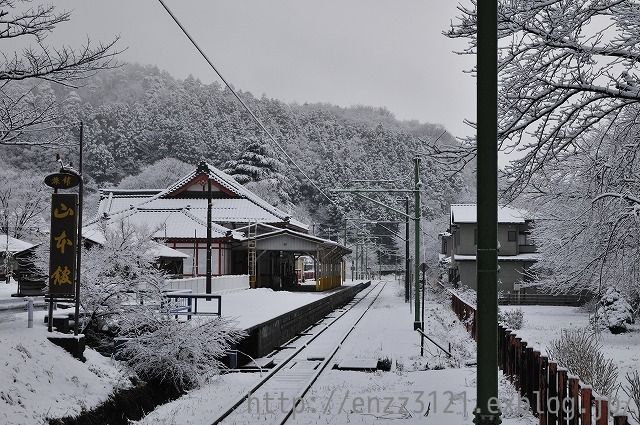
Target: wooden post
[(562, 395), (553, 403), (524, 369), (518, 363), (505, 356), (534, 367), (544, 384), (574, 415), (585, 405), (602, 411), (620, 419)]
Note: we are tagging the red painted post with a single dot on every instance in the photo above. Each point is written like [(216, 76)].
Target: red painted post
[(524, 366), (501, 331), (602, 411), (512, 355), (574, 386), (562, 395), (585, 405), (507, 350), (531, 375), (518, 363), (553, 403), (544, 385), (620, 419)]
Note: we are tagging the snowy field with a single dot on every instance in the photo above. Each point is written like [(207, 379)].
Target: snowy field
[(543, 324), (40, 380)]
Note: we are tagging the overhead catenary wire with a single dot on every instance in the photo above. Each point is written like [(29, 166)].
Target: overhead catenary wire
[(244, 105)]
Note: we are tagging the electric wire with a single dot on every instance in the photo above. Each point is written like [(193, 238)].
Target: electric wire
[(255, 118)]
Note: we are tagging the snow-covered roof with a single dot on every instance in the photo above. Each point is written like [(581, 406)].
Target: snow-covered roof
[(165, 223), (232, 202), (13, 245), (532, 256), (467, 213), (163, 251)]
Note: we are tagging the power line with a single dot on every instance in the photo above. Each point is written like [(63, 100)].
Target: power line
[(255, 118)]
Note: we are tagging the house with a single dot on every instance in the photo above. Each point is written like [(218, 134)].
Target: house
[(517, 250), (249, 236)]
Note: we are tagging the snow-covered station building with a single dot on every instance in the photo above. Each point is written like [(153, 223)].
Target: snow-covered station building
[(250, 238)]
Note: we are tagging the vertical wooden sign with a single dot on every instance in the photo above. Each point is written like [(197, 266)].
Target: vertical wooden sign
[(63, 240)]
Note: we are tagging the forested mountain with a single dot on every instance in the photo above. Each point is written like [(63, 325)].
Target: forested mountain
[(135, 116)]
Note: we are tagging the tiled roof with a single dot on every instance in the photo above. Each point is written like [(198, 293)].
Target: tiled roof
[(245, 207), (13, 245), (167, 223)]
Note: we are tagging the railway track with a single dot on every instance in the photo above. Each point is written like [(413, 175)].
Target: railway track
[(298, 365)]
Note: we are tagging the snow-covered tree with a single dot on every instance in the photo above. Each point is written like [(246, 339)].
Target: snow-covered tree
[(23, 202), (565, 66), (588, 213), (122, 295), (261, 171), (21, 71), (569, 86), (182, 354), (158, 175)]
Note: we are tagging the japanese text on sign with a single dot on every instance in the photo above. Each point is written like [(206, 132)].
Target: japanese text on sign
[(63, 245)]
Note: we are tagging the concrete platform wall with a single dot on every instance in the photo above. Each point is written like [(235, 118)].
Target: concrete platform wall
[(265, 337)]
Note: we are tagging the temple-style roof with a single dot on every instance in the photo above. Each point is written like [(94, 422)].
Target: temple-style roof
[(232, 206)]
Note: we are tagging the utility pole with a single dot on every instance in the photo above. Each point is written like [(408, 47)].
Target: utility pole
[(418, 324), (416, 191), (209, 195), (487, 410)]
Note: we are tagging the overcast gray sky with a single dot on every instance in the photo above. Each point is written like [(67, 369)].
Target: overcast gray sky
[(372, 52)]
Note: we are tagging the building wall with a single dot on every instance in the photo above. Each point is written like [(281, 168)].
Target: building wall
[(510, 273), (196, 264), (508, 247), (464, 239)]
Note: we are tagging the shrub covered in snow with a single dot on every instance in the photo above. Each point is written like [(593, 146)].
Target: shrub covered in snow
[(632, 390), (183, 354), (512, 319), (613, 312), (579, 351)]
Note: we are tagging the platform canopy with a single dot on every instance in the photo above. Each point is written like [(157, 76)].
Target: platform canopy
[(292, 241)]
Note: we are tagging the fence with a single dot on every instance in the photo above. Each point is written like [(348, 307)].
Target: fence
[(186, 304), (541, 299), (555, 396), (218, 283)]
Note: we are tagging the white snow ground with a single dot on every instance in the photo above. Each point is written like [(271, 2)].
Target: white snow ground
[(360, 397), (543, 324), (38, 380)]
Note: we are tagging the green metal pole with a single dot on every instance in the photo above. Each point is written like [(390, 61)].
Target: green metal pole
[(487, 410), (344, 264), (417, 324), (407, 263)]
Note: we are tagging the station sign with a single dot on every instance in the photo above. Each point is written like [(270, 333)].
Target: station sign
[(63, 244), (62, 180)]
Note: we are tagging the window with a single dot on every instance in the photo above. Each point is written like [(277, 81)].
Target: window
[(524, 239), (511, 236)]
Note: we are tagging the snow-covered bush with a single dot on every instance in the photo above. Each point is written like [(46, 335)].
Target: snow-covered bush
[(579, 351), (182, 354), (512, 319), (632, 390), (613, 312)]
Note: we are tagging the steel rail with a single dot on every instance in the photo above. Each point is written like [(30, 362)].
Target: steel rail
[(287, 360)]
